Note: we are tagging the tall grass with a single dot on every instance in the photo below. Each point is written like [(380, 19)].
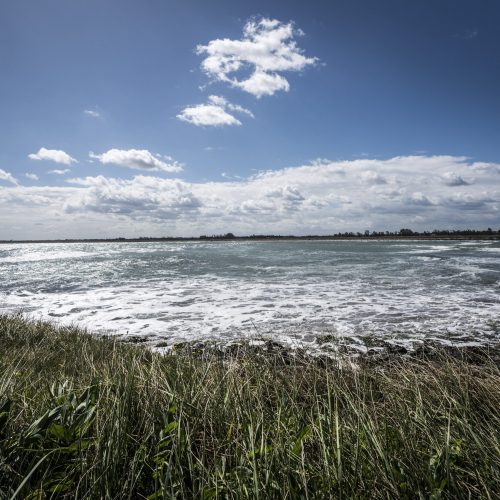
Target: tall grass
[(88, 417)]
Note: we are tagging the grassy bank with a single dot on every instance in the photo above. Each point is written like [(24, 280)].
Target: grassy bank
[(82, 416)]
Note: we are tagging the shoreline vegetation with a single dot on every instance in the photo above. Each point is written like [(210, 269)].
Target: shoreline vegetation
[(84, 416), (402, 234)]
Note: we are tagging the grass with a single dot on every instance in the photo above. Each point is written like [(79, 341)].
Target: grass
[(88, 417)]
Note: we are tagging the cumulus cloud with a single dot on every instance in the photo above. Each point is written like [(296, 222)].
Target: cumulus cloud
[(255, 62), (322, 197), (138, 159), (207, 115), (213, 113), (59, 172), (372, 177), (6, 176), (453, 179), (470, 201), (31, 176), (139, 197), (55, 155), (418, 198)]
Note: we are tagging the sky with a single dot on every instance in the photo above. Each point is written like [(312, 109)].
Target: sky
[(127, 118)]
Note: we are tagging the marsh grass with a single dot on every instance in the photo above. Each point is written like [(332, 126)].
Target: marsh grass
[(89, 417)]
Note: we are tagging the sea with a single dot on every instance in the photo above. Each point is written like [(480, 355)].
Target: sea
[(359, 295)]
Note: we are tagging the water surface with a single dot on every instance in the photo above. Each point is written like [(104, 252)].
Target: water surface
[(362, 292)]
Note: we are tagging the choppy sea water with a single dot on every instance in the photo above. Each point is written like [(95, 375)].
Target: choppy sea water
[(358, 293)]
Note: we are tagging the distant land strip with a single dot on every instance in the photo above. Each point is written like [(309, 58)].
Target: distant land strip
[(403, 234)]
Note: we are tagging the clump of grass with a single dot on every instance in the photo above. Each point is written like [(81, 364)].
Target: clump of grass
[(83, 416)]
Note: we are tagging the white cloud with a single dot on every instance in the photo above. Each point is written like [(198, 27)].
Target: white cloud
[(254, 62), (31, 176), (207, 115), (453, 179), (54, 155), (6, 176), (224, 103), (373, 177), (261, 83), (161, 198), (59, 172), (214, 113), (323, 197), (92, 113), (138, 159)]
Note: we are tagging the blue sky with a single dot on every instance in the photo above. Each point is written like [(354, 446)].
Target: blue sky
[(364, 83)]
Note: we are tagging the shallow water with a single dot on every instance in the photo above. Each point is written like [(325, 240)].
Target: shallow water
[(362, 292)]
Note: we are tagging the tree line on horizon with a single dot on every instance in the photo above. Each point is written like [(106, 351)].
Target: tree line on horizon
[(368, 233), (404, 232)]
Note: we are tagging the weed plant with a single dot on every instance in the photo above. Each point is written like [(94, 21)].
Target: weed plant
[(83, 416)]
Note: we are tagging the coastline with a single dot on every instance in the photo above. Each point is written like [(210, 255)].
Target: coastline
[(480, 237)]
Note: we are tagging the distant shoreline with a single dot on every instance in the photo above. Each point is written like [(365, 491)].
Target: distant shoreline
[(480, 236)]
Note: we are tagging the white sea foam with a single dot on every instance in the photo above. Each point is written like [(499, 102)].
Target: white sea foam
[(293, 292)]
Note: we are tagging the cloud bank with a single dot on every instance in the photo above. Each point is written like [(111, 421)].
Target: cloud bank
[(255, 62), (55, 155), (138, 159), (323, 197)]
